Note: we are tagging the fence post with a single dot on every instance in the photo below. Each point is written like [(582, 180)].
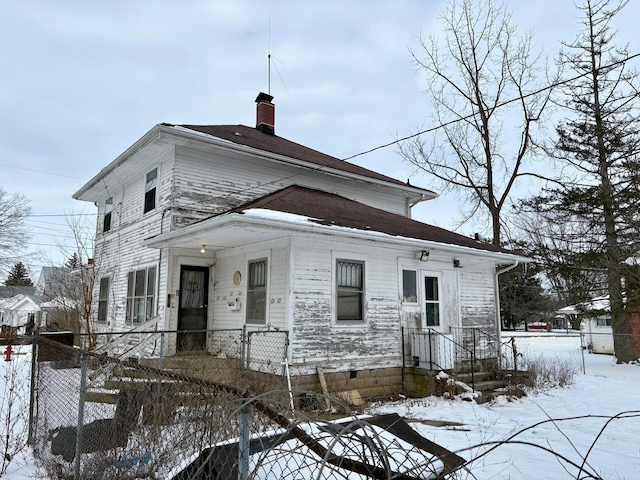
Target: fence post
[(248, 351), (161, 350), (582, 348), (402, 347), (32, 391), (473, 361), (243, 440), (83, 386), (243, 350)]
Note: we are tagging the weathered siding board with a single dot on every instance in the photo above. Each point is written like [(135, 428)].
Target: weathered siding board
[(316, 338), (118, 251), (207, 184), (230, 261), (477, 298)]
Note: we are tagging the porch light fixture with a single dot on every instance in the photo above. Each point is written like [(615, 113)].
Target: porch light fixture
[(202, 250), (424, 255)]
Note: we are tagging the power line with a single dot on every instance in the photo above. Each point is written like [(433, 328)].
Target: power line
[(499, 105), (41, 171), (63, 215)]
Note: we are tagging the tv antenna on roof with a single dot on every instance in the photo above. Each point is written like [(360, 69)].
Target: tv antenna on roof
[(269, 57)]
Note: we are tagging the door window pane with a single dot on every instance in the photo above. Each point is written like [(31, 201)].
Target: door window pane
[(432, 302)]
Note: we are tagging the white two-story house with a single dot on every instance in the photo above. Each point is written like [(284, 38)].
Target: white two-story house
[(225, 226)]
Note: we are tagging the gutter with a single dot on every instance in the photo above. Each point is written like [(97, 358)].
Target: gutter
[(497, 287)]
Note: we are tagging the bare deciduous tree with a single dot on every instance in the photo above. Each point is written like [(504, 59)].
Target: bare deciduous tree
[(14, 208), (482, 78), (70, 288)]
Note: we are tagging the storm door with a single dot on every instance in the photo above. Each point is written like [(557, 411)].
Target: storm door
[(192, 315)]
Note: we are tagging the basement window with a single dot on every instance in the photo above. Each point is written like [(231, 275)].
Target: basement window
[(150, 190), (350, 291)]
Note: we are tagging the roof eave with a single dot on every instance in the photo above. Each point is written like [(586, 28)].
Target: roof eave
[(419, 194), (229, 219), (147, 138)]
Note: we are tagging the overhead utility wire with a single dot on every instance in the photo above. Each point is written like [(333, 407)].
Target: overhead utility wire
[(379, 147), (471, 115)]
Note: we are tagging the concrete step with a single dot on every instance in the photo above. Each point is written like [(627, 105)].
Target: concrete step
[(101, 397), (477, 377)]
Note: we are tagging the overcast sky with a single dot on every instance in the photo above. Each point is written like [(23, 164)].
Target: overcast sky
[(82, 80)]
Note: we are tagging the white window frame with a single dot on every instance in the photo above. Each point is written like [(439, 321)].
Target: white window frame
[(133, 298), (351, 258), (416, 275), (423, 298), (107, 217), (151, 186), (255, 258), (103, 298)]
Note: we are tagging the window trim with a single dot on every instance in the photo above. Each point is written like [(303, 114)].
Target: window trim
[(252, 291), (148, 189), (423, 297), (104, 300), (353, 259), (132, 299), (106, 220), (416, 286)]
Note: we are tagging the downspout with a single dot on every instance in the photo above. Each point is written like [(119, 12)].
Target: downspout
[(497, 287), (411, 205)]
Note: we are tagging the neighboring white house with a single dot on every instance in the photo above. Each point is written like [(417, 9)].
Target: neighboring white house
[(595, 323), (226, 226), (17, 313)]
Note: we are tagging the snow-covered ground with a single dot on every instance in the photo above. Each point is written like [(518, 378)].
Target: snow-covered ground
[(596, 425)]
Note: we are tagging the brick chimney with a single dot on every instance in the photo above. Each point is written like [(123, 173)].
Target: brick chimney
[(266, 113)]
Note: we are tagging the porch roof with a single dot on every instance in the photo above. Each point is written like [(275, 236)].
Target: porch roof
[(307, 210)]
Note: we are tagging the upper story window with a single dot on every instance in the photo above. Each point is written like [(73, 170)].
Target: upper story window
[(150, 190), (141, 288), (108, 208), (257, 292), (350, 290)]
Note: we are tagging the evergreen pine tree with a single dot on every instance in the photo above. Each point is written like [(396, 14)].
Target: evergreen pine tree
[(19, 276)]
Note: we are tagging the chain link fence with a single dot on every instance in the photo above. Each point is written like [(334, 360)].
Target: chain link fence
[(132, 420), (583, 353)]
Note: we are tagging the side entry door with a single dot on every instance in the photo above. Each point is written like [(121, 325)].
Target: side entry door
[(192, 314)]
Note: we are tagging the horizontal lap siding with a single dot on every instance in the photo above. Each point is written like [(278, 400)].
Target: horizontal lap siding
[(119, 251), (477, 298), (210, 184), (229, 262), (317, 340)]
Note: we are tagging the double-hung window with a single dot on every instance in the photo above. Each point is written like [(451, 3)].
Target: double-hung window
[(103, 300), (349, 291), (141, 294), (150, 190), (257, 292), (108, 208)]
